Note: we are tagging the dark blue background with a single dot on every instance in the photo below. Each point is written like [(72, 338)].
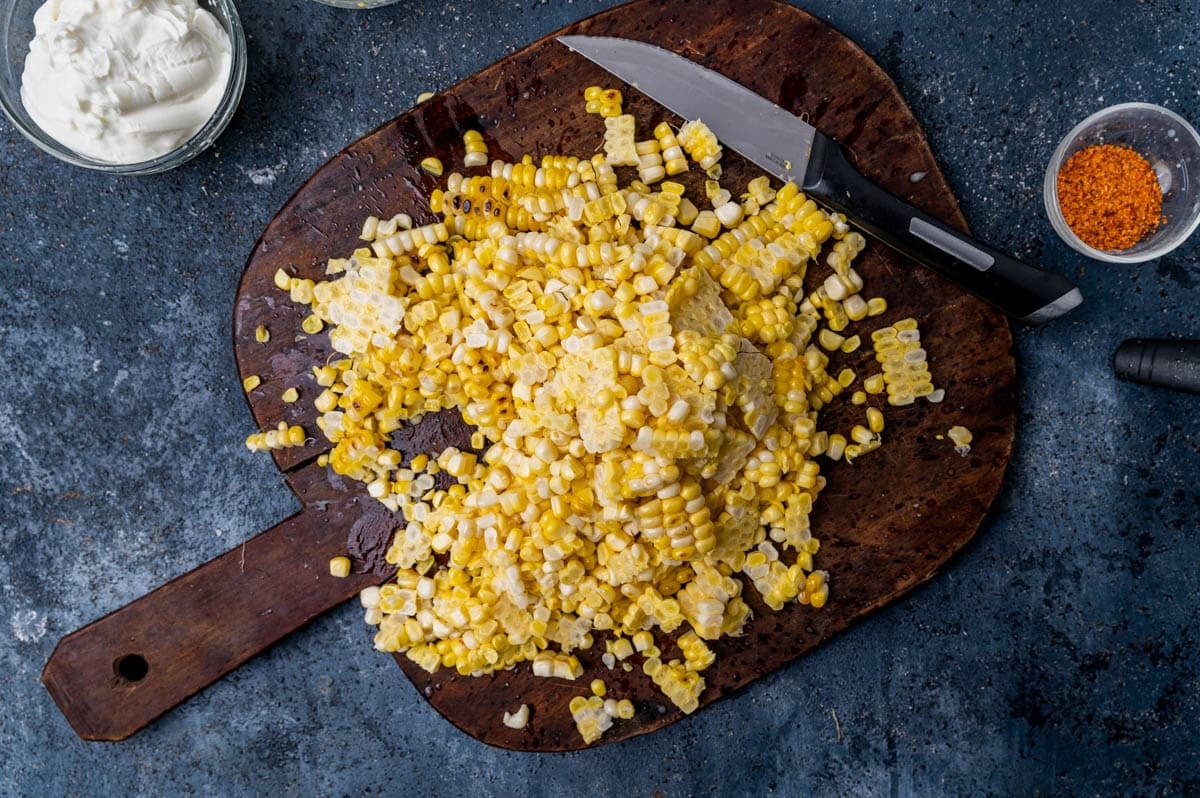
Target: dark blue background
[(1056, 654)]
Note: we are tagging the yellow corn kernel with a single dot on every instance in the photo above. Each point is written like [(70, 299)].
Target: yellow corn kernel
[(829, 340), (262, 334), (283, 280), (432, 165), (962, 438), (837, 446), (339, 567), (874, 419), (295, 435), (312, 325), (288, 396), (598, 687), (251, 382)]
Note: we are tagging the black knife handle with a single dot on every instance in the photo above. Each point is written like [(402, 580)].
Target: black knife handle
[(1024, 292), (1165, 362)]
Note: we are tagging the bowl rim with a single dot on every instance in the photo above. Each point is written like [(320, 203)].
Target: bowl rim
[(1050, 188), (227, 14)]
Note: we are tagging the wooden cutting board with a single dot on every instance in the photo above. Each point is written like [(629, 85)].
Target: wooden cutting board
[(886, 523)]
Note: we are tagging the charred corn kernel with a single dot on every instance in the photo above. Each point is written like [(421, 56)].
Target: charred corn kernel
[(433, 166), (518, 719), (262, 334), (251, 382), (288, 396), (339, 567), (312, 325)]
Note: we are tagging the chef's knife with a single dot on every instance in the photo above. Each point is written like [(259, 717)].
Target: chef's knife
[(794, 150)]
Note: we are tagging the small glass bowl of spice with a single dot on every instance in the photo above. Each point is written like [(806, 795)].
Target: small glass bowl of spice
[(1124, 185)]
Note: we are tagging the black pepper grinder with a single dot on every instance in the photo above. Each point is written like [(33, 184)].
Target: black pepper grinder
[(1166, 362)]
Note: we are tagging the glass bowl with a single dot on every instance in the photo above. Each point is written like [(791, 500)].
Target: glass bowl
[(16, 31), (1172, 147)]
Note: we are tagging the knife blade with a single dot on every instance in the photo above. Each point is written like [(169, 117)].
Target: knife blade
[(791, 149)]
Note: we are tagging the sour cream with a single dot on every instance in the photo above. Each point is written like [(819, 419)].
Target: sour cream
[(124, 81)]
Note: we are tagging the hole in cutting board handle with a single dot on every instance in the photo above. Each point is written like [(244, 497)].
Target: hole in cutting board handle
[(132, 667)]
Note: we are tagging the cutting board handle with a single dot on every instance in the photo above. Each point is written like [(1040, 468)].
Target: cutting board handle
[(116, 675)]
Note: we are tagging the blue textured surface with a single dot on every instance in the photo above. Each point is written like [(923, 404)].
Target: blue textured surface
[(1055, 655)]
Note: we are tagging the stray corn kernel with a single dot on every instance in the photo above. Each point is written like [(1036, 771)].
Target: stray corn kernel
[(262, 334), (432, 165), (962, 437), (590, 716), (518, 719), (289, 396), (339, 567), (905, 370), (251, 382)]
